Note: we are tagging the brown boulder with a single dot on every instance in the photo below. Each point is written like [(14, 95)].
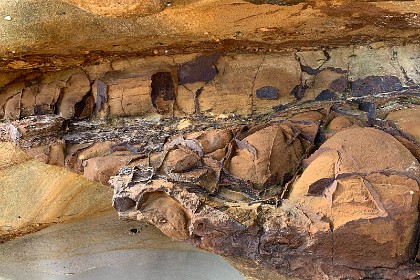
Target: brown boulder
[(180, 160), (166, 214), (266, 155), (367, 192), (100, 169), (77, 87)]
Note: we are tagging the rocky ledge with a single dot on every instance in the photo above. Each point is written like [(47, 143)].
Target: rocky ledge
[(321, 189), (283, 135), (350, 208)]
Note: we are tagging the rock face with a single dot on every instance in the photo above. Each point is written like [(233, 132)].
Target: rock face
[(281, 134), (353, 209), (116, 8), (209, 84), (366, 192), (34, 194), (287, 165)]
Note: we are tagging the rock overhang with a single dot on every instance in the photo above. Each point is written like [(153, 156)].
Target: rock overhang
[(211, 107)]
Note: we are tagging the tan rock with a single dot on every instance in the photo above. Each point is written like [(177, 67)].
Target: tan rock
[(364, 155), (212, 140), (27, 103), (365, 191), (76, 88), (166, 214), (11, 155), (120, 8), (47, 96), (10, 101), (266, 155), (281, 72), (312, 116), (373, 62), (12, 107), (407, 120), (184, 123), (231, 92), (78, 154), (185, 99), (100, 169), (180, 160), (57, 154), (35, 194), (129, 97)]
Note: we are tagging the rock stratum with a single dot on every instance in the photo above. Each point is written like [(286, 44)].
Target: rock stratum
[(282, 135)]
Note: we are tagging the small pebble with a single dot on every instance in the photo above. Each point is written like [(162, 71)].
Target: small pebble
[(8, 18)]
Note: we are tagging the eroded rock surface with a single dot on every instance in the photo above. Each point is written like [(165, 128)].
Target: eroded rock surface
[(353, 209), (306, 164), (307, 191), (281, 134)]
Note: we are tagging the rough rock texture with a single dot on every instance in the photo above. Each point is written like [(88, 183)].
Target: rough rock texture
[(117, 8), (242, 188), (34, 194), (303, 187), (281, 134), (209, 84), (352, 210), (43, 33)]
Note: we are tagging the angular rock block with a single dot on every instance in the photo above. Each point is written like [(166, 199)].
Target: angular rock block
[(368, 193), (353, 209)]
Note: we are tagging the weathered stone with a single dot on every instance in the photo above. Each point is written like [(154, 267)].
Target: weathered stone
[(266, 156), (166, 214), (187, 97), (130, 97), (179, 160), (342, 122), (34, 194), (77, 87), (102, 168), (231, 91), (407, 120), (373, 66), (234, 184), (370, 187), (212, 140), (119, 8), (281, 72)]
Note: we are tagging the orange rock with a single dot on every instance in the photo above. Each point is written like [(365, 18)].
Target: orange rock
[(266, 155), (118, 8), (367, 193), (129, 97), (179, 160), (100, 169), (76, 88)]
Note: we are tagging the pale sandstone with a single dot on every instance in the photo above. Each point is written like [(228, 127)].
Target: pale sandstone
[(360, 187), (408, 121)]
